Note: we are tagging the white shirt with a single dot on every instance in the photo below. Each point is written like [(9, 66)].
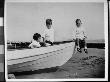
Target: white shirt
[(49, 34), (80, 32), (34, 44)]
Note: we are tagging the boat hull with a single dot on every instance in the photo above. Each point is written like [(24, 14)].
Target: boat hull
[(47, 60)]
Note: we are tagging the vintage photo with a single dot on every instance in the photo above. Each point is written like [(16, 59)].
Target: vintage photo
[(2, 54), (55, 40)]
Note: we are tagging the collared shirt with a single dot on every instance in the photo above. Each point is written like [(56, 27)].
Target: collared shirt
[(34, 44), (49, 34), (80, 32)]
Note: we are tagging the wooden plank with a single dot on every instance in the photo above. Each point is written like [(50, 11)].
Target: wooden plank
[(2, 76), (1, 50), (2, 58), (1, 67), (1, 35)]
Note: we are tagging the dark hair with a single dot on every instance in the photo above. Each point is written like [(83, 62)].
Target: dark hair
[(36, 36), (78, 20), (48, 21)]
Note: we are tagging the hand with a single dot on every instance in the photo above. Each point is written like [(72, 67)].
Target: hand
[(85, 36), (43, 39), (73, 39)]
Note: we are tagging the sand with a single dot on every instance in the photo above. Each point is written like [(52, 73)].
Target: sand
[(81, 65)]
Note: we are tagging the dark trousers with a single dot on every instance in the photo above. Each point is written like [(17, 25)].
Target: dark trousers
[(42, 44), (49, 42), (81, 43)]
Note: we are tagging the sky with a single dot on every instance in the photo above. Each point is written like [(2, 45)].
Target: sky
[(25, 19)]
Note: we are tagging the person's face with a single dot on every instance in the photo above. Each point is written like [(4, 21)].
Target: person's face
[(39, 39), (49, 26), (79, 23)]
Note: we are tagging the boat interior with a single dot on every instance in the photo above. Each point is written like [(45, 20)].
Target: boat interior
[(24, 45)]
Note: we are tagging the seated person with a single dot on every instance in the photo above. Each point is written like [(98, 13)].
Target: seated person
[(48, 33), (81, 36), (36, 41)]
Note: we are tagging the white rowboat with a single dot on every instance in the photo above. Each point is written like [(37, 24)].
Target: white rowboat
[(39, 58)]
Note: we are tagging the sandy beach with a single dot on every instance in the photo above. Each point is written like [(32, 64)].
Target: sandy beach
[(81, 65)]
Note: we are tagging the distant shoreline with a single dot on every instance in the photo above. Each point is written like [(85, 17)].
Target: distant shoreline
[(24, 45), (96, 41)]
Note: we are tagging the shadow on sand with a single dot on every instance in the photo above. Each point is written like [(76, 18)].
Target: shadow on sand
[(47, 70)]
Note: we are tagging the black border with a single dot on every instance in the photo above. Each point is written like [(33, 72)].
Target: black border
[(2, 74), (2, 3)]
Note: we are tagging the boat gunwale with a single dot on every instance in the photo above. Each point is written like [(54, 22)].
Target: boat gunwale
[(41, 54), (33, 60), (37, 55), (54, 44)]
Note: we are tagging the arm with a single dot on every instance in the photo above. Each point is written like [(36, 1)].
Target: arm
[(43, 39), (84, 32), (74, 34), (30, 46), (43, 35), (34, 45)]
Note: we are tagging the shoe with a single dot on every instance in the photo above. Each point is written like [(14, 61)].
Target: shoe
[(79, 50), (86, 51)]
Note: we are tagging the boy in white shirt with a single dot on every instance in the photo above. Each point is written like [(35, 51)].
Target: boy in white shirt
[(81, 36), (49, 33), (36, 41)]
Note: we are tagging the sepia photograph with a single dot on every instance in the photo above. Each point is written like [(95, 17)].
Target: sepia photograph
[(56, 40)]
